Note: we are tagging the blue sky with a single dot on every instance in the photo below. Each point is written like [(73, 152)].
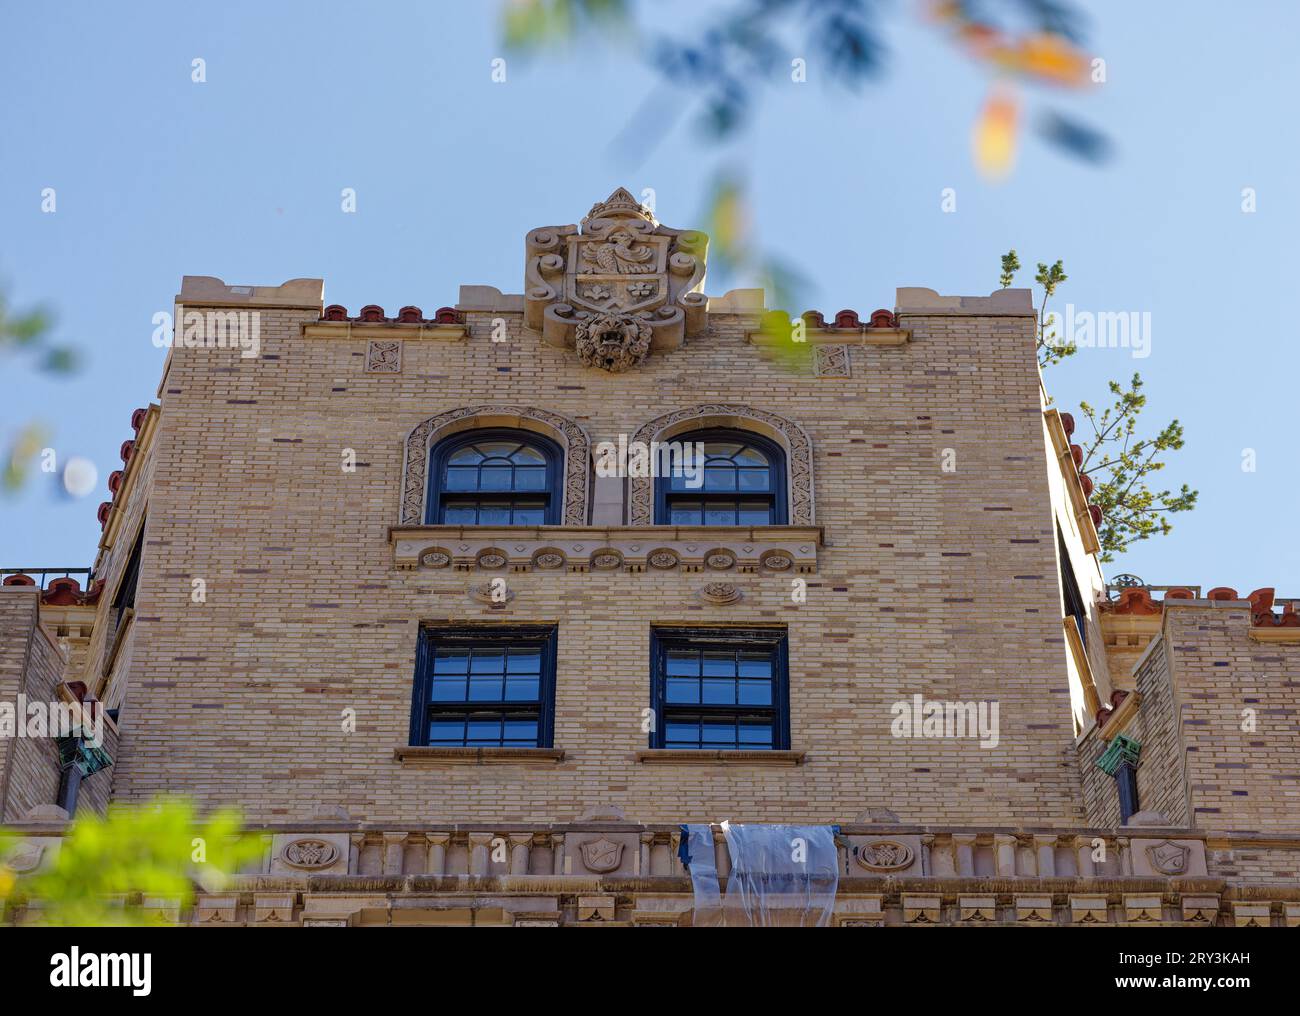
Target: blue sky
[(240, 177)]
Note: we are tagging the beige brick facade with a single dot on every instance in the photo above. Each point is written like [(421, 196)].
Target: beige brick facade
[(270, 655)]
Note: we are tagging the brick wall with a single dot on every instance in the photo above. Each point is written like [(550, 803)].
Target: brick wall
[(1239, 779), (30, 664), (931, 583)]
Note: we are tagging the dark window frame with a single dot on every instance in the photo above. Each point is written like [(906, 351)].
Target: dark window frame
[(776, 641), (128, 583), (436, 636), (437, 498), (1071, 597), (776, 470)]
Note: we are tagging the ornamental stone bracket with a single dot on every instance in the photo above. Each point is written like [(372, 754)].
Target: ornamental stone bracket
[(617, 287), (716, 549)]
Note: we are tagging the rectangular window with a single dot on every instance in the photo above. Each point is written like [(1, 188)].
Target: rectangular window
[(1071, 597), (124, 598), (484, 688), (719, 688)]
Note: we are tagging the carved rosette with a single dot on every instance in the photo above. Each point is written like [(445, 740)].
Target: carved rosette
[(619, 264), (798, 449), (720, 594), (577, 457)]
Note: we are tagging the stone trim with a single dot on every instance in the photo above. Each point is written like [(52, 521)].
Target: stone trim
[(571, 437), (793, 439), (501, 549), (424, 755), (725, 756)]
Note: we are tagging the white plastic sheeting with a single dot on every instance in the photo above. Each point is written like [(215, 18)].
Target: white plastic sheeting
[(781, 875)]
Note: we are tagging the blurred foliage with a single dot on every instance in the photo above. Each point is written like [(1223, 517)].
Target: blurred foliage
[(725, 60), (27, 335), (1115, 458), (104, 865)]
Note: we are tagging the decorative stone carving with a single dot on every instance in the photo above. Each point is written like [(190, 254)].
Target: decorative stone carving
[(613, 342), (831, 361), (885, 855), (1033, 909), (216, 909), (776, 549), (1202, 911), (548, 560), (309, 854), (619, 265), (25, 857), (495, 592), (595, 908), (1142, 908), (606, 560), (798, 453), (383, 357), (774, 560), (921, 909), (721, 594), (602, 854), (577, 457), (1168, 858), (1088, 909), (977, 909)]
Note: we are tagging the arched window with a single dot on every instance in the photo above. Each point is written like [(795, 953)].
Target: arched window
[(495, 478), (743, 483)]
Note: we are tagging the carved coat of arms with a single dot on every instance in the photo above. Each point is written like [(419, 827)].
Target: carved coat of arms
[(601, 855), (618, 286), (1168, 858)]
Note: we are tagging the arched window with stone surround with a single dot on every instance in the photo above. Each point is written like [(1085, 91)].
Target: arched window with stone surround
[(562, 441), (495, 477), (783, 442), (740, 482)]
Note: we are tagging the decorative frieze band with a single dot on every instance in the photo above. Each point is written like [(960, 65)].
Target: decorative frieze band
[(773, 549)]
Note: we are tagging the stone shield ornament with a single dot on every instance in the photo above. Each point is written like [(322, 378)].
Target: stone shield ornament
[(602, 855), (1168, 858), (619, 264)]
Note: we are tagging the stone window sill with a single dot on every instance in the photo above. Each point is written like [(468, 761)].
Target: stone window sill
[(729, 757), (419, 755)]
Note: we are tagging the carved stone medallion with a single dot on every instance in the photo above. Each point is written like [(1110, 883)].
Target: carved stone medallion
[(309, 854), (720, 593), (885, 855), (619, 265)]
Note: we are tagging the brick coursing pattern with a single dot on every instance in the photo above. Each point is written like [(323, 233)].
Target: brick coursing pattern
[(920, 589)]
